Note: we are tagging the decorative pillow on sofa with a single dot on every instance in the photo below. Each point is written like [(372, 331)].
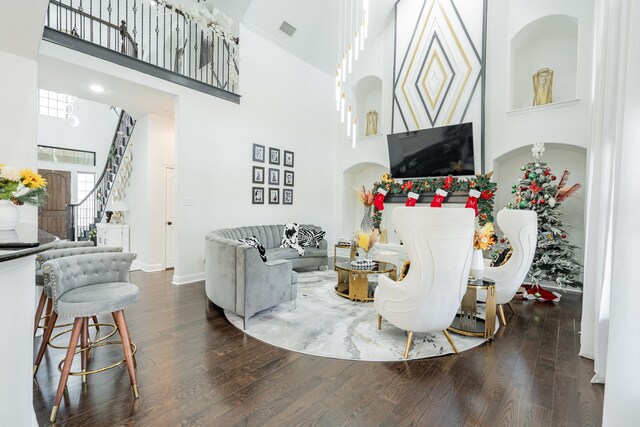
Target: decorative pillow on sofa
[(308, 237), (253, 241), (290, 238)]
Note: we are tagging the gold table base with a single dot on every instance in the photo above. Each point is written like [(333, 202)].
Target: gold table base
[(355, 285), (467, 321)]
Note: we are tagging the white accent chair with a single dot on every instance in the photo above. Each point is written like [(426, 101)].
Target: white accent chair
[(521, 228), (439, 243)]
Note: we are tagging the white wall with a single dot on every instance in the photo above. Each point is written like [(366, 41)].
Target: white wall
[(287, 104), (97, 125), (18, 120), (153, 148)]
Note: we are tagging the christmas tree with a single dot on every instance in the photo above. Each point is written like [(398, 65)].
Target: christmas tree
[(554, 259)]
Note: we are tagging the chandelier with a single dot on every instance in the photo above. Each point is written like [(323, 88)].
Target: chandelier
[(354, 26)]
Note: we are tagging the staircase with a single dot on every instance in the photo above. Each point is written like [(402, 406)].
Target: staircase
[(84, 215)]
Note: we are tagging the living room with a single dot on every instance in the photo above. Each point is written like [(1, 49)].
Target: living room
[(217, 362)]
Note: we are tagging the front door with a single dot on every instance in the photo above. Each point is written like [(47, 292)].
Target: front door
[(52, 217)]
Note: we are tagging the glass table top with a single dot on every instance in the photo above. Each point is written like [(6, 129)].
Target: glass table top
[(377, 267)]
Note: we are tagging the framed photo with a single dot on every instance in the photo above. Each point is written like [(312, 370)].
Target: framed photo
[(274, 156), (258, 175), (274, 196), (288, 178), (288, 158), (257, 195), (258, 153), (287, 196), (274, 176)]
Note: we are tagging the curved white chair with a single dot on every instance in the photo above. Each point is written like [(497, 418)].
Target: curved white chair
[(439, 243), (521, 228)]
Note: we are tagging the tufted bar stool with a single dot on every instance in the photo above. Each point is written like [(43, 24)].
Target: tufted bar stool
[(84, 286), (61, 250)]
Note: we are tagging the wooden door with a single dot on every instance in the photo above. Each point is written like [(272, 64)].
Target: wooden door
[(52, 217)]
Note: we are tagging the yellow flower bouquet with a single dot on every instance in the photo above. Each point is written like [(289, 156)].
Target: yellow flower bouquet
[(22, 186), (366, 239), (485, 237)]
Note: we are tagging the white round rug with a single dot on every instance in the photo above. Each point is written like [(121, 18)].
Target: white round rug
[(321, 323)]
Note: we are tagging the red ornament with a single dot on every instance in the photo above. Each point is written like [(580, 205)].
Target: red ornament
[(564, 236), (447, 182), (407, 185), (553, 177), (502, 240), (533, 201), (542, 201), (547, 172), (486, 194)]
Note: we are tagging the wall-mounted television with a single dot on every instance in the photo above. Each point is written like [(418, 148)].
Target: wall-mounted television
[(441, 151)]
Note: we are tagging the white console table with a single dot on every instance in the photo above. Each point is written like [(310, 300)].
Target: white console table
[(113, 235)]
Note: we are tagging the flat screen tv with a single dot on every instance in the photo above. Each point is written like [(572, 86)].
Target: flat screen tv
[(440, 151)]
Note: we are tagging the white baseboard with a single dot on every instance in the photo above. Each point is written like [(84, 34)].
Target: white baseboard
[(187, 278), (147, 268)]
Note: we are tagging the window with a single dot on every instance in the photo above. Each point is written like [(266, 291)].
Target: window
[(54, 104), (86, 181), (65, 155)]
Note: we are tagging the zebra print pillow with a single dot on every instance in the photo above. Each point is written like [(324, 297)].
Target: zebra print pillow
[(290, 238), (253, 241), (308, 237)]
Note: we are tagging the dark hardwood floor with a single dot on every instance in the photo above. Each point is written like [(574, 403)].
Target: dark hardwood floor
[(195, 368)]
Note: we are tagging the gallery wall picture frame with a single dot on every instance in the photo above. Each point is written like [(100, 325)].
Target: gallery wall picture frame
[(287, 196), (274, 156), (274, 196), (288, 178), (288, 158), (258, 153), (258, 175), (274, 176), (257, 195)]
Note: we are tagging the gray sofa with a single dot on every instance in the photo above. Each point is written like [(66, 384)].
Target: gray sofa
[(238, 280)]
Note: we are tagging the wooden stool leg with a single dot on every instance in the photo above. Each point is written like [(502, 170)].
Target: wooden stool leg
[(135, 362), (84, 344), (48, 330), (118, 316), (75, 334), (95, 322), (48, 312), (379, 321), (41, 303)]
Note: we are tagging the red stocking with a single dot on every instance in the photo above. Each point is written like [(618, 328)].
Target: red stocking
[(438, 198), (472, 201), (378, 200), (539, 293), (412, 198)]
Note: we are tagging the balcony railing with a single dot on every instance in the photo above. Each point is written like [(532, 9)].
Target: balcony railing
[(165, 41)]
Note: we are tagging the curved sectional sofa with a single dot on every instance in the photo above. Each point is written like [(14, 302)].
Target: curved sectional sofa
[(238, 280)]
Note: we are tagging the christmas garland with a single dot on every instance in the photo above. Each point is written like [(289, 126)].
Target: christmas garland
[(481, 183)]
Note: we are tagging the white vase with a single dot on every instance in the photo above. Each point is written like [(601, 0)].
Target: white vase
[(477, 264), (9, 215)]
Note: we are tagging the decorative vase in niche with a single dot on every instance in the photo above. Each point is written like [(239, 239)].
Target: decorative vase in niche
[(543, 87), (367, 220), (9, 215), (477, 264), (372, 123)]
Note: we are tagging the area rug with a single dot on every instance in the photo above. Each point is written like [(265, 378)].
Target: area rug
[(321, 323)]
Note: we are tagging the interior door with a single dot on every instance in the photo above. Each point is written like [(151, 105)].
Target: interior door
[(169, 227), (52, 217)]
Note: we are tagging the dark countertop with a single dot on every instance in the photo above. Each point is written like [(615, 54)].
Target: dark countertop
[(25, 233)]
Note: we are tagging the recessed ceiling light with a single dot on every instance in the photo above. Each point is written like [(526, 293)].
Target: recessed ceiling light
[(96, 88)]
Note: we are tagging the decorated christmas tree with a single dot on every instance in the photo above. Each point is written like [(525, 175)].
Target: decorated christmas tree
[(554, 259)]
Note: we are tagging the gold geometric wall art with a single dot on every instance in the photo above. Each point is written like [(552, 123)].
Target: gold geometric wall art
[(438, 65)]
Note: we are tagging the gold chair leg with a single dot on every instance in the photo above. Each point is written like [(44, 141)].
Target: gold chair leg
[(501, 313), (406, 350), (453, 346), (511, 307), (379, 321)]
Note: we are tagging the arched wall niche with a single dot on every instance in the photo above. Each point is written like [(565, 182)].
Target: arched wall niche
[(548, 42), (368, 91), (559, 156), (356, 176)]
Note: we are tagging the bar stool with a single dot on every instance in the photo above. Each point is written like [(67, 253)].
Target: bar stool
[(84, 286), (61, 250)]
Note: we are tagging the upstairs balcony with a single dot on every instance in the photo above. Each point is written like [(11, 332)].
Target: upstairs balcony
[(188, 45)]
